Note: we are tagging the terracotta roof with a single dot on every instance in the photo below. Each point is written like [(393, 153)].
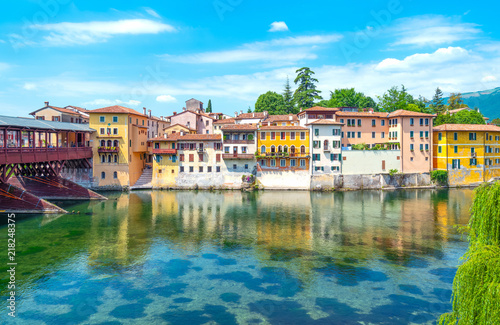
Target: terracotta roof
[(80, 109), (362, 114), (116, 109), (466, 127), (323, 121), (240, 127), (163, 139), (226, 121), (193, 112), (402, 112), (59, 109), (456, 110), (281, 118), (319, 108), (208, 137), (183, 126), (260, 115), (283, 127)]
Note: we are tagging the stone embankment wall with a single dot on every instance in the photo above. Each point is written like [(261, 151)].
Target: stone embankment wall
[(186, 181), (284, 180), (80, 176), (369, 181)]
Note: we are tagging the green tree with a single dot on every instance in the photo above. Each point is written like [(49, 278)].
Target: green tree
[(249, 110), (306, 92), (455, 101), (395, 99), (271, 102), (476, 287), (496, 121), (288, 98), (437, 103), (348, 97), (209, 106), (466, 116)]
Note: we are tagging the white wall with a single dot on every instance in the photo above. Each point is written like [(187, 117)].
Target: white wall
[(370, 161)]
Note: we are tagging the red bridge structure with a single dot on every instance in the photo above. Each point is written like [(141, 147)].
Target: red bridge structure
[(32, 155)]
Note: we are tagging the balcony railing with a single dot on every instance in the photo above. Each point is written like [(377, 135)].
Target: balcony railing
[(239, 141), (165, 151), (107, 149), (238, 156), (29, 155), (283, 155)]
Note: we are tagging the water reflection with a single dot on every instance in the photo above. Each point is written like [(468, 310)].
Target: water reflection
[(366, 253)]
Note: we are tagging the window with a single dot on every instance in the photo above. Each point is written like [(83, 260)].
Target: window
[(103, 175), (102, 119), (115, 131), (455, 149), (440, 136), (282, 162), (283, 136), (293, 162), (246, 166), (359, 122), (316, 157), (421, 134), (235, 166), (209, 169), (102, 131), (302, 163), (359, 134), (472, 136), (115, 175), (382, 135), (263, 135), (412, 122), (217, 169), (373, 135), (426, 147), (411, 134), (273, 136), (181, 169), (382, 123), (191, 157), (116, 158), (421, 122), (316, 144), (181, 157), (226, 149), (348, 134), (263, 149), (427, 134), (316, 131), (374, 123), (455, 136), (341, 120), (421, 147), (200, 169), (273, 163), (411, 147), (455, 164), (108, 131), (473, 161), (191, 169), (440, 149), (292, 135), (115, 119), (302, 135), (200, 157), (342, 136), (217, 157), (303, 150)]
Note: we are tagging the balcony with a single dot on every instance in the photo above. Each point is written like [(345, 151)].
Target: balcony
[(165, 151), (200, 150), (107, 149), (238, 156), (283, 155), (239, 141)]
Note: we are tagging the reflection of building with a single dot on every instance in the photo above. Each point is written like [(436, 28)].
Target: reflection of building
[(468, 152)]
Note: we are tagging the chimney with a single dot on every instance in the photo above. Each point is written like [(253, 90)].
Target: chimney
[(144, 108), (241, 112), (266, 113), (46, 104), (175, 113), (253, 114), (165, 135), (149, 111), (182, 133), (161, 118), (235, 114), (290, 117)]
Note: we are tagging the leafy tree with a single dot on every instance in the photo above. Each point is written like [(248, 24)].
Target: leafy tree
[(476, 287), (496, 121), (395, 99), (455, 101), (437, 103), (413, 108), (288, 99), (348, 97), (209, 106), (306, 92), (466, 116), (249, 110), (271, 102)]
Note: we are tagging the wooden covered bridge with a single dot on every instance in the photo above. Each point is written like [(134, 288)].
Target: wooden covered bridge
[(32, 155)]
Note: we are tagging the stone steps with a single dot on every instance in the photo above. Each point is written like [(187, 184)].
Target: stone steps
[(145, 181)]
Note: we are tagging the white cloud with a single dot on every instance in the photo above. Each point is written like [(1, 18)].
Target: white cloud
[(29, 86), (278, 26), (107, 102), (432, 30), (489, 79), (424, 60), (279, 52), (152, 12), (66, 33), (165, 99)]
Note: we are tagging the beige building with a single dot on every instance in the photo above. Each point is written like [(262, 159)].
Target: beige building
[(70, 114)]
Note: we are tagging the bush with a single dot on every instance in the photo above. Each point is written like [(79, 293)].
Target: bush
[(393, 172), (439, 177)]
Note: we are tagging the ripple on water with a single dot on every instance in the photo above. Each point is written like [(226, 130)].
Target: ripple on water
[(410, 288), (350, 275), (230, 297), (445, 274), (170, 290), (210, 313), (130, 311)]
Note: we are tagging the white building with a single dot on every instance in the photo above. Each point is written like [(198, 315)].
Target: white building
[(325, 144), (240, 144)]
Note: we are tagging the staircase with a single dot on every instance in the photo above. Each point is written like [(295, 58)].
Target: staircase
[(144, 182)]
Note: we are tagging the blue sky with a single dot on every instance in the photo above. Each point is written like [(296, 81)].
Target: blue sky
[(158, 54)]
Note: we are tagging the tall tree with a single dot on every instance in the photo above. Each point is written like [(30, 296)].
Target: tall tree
[(209, 106), (306, 92), (288, 98), (348, 97), (395, 99), (271, 102), (437, 102)]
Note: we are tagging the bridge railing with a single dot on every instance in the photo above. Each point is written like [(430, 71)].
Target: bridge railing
[(27, 154)]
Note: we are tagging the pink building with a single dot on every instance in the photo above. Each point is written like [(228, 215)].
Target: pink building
[(194, 117)]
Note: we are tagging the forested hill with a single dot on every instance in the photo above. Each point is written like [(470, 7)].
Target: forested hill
[(488, 101)]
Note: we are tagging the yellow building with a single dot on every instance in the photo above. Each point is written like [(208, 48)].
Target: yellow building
[(165, 161), (470, 153), (120, 146), (283, 147)]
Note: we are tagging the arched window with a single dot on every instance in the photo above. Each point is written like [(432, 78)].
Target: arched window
[(109, 143), (273, 149), (325, 144), (292, 149), (285, 149), (116, 158), (109, 158), (280, 148), (263, 149), (302, 149), (103, 143), (115, 175), (115, 143), (103, 175), (103, 158)]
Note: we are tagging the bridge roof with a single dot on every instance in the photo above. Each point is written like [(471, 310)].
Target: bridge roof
[(30, 123)]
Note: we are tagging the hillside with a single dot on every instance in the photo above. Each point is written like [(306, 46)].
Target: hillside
[(488, 101)]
